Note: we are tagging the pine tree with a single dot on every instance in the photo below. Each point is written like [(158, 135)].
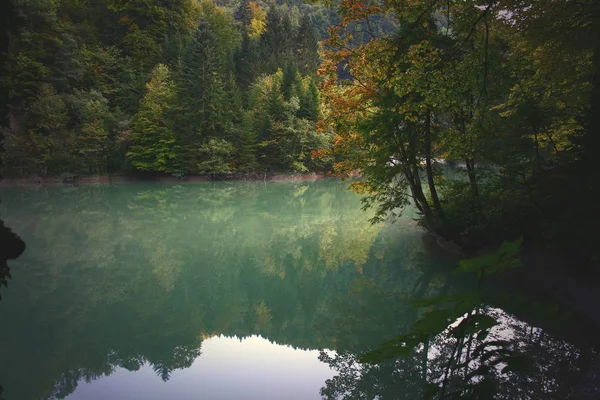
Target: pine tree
[(248, 62), (92, 141), (277, 40), (242, 63), (146, 24), (215, 157), (243, 14), (245, 157), (153, 140), (290, 81), (307, 47), (309, 100), (172, 50), (233, 108), (203, 94)]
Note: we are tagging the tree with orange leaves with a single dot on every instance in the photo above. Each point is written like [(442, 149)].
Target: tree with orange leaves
[(382, 115), (430, 86)]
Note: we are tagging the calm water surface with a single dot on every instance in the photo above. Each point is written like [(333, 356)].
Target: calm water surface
[(214, 291)]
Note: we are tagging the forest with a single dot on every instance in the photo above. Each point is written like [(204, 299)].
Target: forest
[(173, 87)]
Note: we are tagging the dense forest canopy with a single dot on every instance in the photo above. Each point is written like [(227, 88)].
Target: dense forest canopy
[(183, 87)]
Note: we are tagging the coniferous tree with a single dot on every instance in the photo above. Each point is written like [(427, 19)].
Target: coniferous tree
[(92, 142), (276, 41), (290, 81), (153, 139), (202, 90), (309, 100), (145, 26), (172, 50), (248, 63), (78, 75), (307, 46), (243, 14), (245, 157), (242, 60)]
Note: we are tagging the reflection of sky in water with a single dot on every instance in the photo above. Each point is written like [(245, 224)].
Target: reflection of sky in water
[(229, 368)]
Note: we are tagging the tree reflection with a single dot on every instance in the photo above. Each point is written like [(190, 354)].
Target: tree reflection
[(523, 362), (461, 346), (393, 379), (181, 357), (123, 278), (133, 275)]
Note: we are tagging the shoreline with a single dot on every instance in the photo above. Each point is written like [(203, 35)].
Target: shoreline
[(111, 179)]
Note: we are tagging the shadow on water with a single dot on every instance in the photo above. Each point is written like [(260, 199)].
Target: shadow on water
[(11, 247), (127, 276)]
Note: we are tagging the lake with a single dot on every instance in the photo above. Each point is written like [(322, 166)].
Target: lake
[(235, 290)]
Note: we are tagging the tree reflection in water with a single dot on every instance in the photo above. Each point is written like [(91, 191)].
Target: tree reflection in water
[(542, 367), (124, 276), (462, 347)]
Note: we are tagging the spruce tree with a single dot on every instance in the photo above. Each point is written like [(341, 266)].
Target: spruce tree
[(290, 81), (203, 94), (245, 157), (153, 140), (307, 47), (243, 14), (247, 62), (309, 100), (277, 40)]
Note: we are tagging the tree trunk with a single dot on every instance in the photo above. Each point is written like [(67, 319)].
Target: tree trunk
[(430, 181), (416, 185), (411, 173), (470, 163)]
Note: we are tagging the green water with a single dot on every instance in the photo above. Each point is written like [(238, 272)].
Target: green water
[(212, 291)]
